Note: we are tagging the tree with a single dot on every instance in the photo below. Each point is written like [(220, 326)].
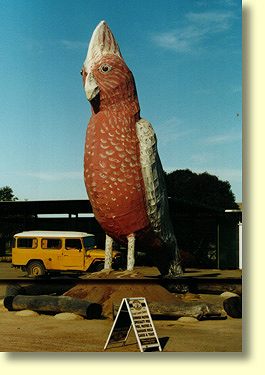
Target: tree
[(204, 195), (202, 188), (6, 194)]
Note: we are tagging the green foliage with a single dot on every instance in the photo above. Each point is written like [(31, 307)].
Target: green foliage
[(201, 188), (6, 194), (200, 202), (6, 228)]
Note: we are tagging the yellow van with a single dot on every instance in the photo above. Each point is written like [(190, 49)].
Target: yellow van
[(43, 252)]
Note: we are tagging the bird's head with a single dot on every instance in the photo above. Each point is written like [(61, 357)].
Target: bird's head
[(106, 78)]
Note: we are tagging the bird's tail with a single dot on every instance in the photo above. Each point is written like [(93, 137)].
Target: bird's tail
[(175, 264), (175, 269), (168, 261)]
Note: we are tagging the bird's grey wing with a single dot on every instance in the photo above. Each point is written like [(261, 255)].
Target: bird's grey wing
[(154, 181)]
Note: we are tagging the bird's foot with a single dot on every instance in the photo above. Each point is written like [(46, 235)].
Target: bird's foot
[(127, 274), (106, 271)]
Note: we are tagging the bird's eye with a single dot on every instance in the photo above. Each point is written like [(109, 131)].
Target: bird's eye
[(105, 68)]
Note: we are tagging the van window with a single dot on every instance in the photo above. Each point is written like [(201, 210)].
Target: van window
[(89, 242), (51, 243), (73, 243), (27, 243)]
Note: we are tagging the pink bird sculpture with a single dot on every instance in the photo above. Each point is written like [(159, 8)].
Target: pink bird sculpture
[(122, 170)]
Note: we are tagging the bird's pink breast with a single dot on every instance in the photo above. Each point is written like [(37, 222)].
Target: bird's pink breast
[(113, 175)]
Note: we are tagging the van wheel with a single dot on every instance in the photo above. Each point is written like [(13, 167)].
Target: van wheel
[(35, 269), (98, 267)]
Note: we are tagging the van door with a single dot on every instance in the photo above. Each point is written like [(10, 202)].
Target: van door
[(73, 254), (51, 253)]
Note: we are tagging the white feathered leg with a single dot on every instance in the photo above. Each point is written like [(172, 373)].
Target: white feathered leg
[(108, 252), (130, 254)]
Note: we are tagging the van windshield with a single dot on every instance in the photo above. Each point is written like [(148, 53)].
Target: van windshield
[(89, 242)]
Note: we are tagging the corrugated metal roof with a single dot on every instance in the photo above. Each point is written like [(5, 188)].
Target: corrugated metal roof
[(45, 207)]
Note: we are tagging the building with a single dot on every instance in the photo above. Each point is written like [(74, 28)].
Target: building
[(207, 237)]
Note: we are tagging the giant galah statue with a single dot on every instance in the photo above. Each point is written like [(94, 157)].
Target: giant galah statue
[(122, 170)]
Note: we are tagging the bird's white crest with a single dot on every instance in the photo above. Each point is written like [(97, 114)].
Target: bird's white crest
[(102, 43)]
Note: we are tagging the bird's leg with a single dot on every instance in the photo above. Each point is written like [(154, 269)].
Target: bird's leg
[(130, 254), (108, 252)]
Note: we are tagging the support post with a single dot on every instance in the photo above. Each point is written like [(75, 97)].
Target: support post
[(218, 246), (108, 253), (130, 254)]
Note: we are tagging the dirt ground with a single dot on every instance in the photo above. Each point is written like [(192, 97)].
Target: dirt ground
[(45, 333)]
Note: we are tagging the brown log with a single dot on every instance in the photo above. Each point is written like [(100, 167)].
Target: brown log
[(200, 285), (233, 307), (14, 290), (218, 288), (35, 289), (54, 304), (198, 310)]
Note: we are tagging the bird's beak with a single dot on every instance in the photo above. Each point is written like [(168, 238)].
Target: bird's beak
[(102, 43), (91, 87)]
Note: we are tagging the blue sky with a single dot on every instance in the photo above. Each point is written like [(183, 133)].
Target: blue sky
[(186, 59)]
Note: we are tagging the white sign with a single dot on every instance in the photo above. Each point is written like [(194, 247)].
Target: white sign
[(134, 312)]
